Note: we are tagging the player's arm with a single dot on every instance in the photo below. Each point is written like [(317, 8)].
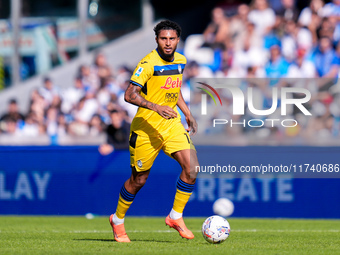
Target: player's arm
[(192, 124), (132, 96)]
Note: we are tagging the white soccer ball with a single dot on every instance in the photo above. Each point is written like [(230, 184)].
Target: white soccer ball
[(223, 207), (215, 229)]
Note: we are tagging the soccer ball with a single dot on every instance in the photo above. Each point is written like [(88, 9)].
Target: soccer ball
[(215, 229), (223, 207)]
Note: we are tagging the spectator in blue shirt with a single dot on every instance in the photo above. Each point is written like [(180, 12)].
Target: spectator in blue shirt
[(277, 66), (327, 63), (325, 59)]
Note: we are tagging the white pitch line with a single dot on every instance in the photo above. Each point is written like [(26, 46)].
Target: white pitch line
[(172, 231), (250, 230), (288, 230)]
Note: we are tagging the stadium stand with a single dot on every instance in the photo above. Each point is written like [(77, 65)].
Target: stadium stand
[(257, 42)]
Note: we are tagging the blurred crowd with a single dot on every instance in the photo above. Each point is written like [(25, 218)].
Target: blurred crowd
[(258, 42), (274, 47), (255, 41), (92, 106)]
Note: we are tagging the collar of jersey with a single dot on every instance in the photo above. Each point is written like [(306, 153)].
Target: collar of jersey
[(163, 58)]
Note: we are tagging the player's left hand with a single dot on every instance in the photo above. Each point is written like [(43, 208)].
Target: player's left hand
[(192, 124)]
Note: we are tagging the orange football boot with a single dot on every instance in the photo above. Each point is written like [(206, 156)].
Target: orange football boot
[(119, 232), (180, 227)]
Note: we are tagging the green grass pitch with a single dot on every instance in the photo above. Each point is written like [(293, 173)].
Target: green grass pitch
[(78, 235)]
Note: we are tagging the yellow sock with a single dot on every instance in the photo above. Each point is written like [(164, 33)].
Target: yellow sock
[(122, 207), (124, 202), (181, 199), (183, 193)]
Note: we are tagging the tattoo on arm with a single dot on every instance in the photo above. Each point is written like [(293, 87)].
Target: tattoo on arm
[(135, 98), (146, 104)]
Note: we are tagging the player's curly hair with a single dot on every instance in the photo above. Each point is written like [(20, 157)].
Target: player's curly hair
[(167, 25)]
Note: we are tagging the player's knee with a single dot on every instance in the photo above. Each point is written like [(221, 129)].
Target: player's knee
[(139, 180), (190, 172), (188, 177)]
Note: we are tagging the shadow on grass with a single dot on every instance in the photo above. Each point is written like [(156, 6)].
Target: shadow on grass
[(132, 240)]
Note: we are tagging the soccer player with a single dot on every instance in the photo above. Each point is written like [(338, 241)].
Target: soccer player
[(155, 87)]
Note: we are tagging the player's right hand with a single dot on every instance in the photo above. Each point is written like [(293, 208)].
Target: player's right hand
[(166, 111)]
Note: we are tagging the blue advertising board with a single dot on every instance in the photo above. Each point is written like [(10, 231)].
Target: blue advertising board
[(78, 180)]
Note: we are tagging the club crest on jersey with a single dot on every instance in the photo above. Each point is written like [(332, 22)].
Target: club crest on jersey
[(179, 69), (139, 163), (139, 71)]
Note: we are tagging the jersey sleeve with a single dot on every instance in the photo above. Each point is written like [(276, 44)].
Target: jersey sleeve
[(142, 73)]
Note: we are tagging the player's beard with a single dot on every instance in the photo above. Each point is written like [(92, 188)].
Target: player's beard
[(168, 56)]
